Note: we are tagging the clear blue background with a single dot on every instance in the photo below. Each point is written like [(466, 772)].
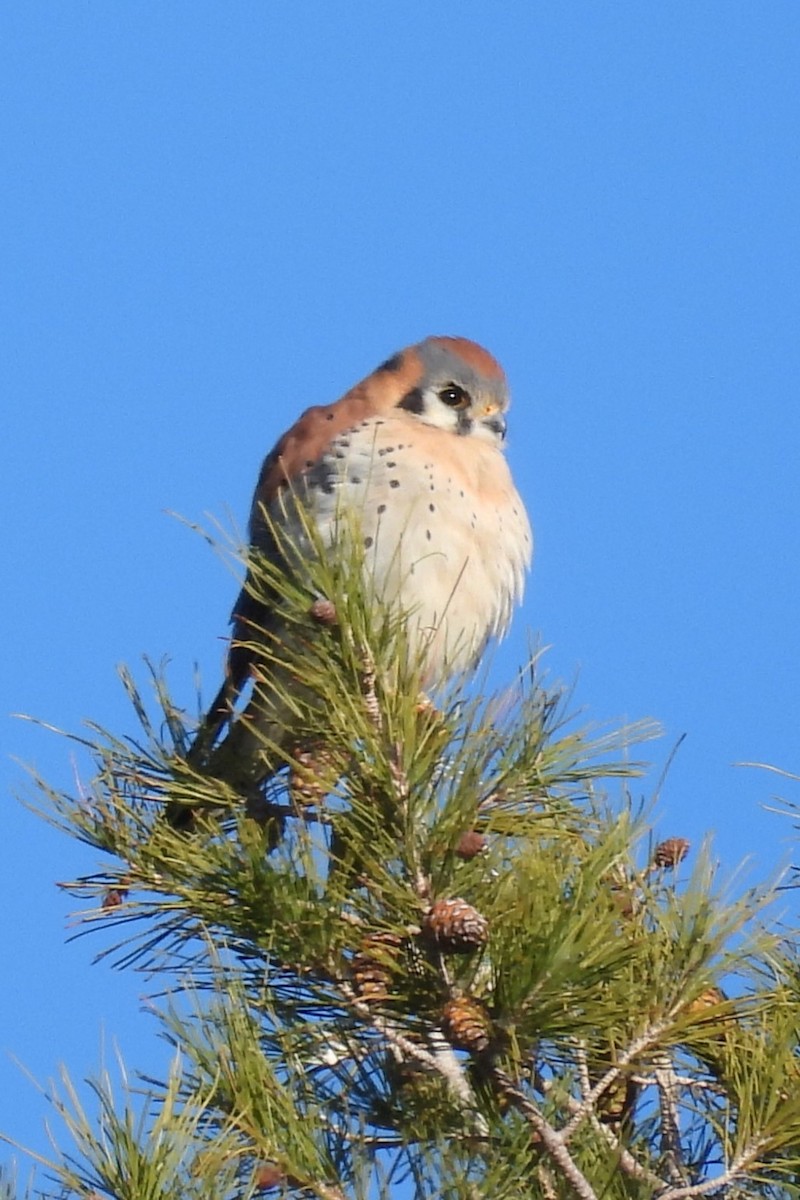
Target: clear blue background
[(214, 215)]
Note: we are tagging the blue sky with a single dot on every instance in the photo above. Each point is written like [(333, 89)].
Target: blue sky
[(214, 215)]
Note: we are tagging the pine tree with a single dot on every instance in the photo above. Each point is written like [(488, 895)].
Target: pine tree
[(433, 957)]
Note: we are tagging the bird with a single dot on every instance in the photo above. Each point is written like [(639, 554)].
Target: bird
[(415, 452)]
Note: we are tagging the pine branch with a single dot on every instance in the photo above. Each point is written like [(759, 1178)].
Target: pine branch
[(440, 1058), (717, 1183), (553, 1141), (648, 1038), (627, 1162), (428, 941), (668, 1099)]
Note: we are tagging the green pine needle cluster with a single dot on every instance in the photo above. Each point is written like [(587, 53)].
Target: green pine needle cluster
[(433, 955)]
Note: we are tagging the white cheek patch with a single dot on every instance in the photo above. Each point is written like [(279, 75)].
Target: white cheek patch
[(435, 412)]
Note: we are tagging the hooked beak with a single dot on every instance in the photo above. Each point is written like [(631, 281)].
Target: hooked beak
[(497, 423)]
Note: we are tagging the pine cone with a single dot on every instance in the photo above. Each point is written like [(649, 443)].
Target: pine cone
[(455, 926), (268, 1175), (323, 612), (372, 965), (114, 897), (616, 1103), (415, 960), (409, 1078), (466, 1024), (471, 844), (314, 775), (710, 1033), (671, 852), (710, 997)]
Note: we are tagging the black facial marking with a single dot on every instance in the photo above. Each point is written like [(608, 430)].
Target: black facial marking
[(464, 424), (413, 401), (392, 364)]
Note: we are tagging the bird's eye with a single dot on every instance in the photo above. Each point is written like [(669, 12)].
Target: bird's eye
[(454, 396)]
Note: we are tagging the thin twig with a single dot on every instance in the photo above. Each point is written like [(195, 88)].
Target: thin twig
[(402, 791), (668, 1100), (549, 1190), (440, 1058), (637, 1047), (369, 690), (683, 1081), (627, 1163), (550, 1138), (400, 783), (448, 1065), (583, 1069), (718, 1182)]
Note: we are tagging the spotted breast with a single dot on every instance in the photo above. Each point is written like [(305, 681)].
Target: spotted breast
[(415, 454)]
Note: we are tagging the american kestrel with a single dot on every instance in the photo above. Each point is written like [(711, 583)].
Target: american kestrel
[(415, 453)]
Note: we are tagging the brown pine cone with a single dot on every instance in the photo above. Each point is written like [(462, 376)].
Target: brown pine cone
[(268, 1175), (471, 844), (669, 853), (466, 1024), (323, 612), (373, 965), (114, 897), (455, 926), (314, 775), (617, 1102), (710, 997), (415, 960)]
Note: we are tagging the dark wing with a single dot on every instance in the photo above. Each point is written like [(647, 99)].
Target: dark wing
[(297, 452)]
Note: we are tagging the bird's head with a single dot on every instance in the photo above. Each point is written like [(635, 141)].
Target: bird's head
[(450, 383)]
